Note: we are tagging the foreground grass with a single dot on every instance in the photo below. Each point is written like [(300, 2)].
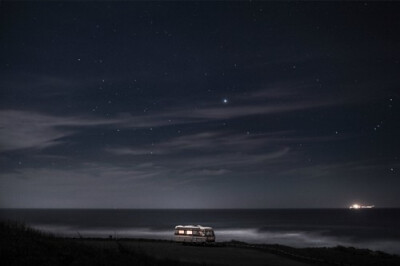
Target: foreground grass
[(21, 245), (344, 256)]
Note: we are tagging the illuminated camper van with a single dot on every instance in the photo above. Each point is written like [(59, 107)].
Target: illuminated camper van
[(194, 234)]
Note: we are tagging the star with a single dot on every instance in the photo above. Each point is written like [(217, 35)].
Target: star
[(225, 101)]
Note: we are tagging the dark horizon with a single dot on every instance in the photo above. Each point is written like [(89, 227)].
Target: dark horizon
[(190, 209), (199, 105)]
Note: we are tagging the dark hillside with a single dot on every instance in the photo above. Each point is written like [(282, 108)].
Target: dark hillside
[(21, 245)]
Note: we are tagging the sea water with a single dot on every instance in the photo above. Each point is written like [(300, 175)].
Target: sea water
[(376, 229)]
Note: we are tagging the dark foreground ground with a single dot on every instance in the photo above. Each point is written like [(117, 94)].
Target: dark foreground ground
[(21, 245)]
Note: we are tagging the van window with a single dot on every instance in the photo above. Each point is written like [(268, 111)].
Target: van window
[(181, 232), (189, 232)]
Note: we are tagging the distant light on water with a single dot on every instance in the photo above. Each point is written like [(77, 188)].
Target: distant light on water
[(358, 206)]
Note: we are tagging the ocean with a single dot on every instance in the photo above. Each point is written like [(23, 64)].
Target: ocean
[(376, 229)]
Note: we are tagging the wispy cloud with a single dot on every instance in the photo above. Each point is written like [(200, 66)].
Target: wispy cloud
[(208, 143), (29, 129), (340, 170), (22, 129), (225, 142)]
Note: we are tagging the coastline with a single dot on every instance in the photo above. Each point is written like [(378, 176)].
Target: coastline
[(23, 245)]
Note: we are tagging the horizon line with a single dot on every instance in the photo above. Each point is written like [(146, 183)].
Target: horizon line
[(272, 208)]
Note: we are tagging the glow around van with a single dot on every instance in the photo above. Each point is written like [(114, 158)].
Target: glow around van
[(194, 233)]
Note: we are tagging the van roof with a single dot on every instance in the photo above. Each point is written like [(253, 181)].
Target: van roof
[(193, 227)]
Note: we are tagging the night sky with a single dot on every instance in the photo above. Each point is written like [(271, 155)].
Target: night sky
[(199, 104)]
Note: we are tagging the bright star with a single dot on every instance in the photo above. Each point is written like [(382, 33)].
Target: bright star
[(225, 100)]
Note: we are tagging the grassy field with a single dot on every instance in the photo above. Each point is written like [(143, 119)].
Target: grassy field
[(21, 245)]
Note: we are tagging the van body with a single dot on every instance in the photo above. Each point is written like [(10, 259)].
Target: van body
[(194, 234)]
